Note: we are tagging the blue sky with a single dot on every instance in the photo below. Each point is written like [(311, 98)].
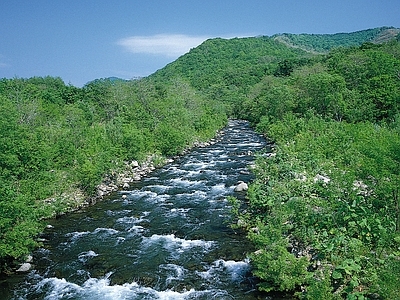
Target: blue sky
[(81, 40)]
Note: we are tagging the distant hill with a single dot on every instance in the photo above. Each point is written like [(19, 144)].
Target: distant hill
[(242, 61), (227, 68), (233, 64), (322, 43)]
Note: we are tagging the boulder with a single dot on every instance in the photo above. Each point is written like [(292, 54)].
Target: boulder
[(241, 186), (25, 267)]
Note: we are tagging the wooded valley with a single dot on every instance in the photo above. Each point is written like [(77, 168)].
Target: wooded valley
[(324, 210)]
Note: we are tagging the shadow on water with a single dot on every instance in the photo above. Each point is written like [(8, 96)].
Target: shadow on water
[(166, 237)]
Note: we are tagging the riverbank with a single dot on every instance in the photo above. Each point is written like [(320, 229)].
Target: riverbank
[(167, 235), (130, 172), (119, 178)]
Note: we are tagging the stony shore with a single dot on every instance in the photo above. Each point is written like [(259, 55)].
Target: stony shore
[(130, 172), (120, 178)]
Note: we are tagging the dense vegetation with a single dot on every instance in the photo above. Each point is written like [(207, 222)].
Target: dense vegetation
[(324, 210), (326, 42), (58, 142), (226, 69)]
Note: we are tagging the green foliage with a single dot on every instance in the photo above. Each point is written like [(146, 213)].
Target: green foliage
[(327, 42), (279, 269), (353, 85), (56, 139), (226, 69), (388, 278), (328, 202)]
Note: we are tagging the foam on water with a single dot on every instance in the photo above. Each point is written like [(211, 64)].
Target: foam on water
[(194, 194), (137, 229), (74, 236), (136, 195), (178, 212), (101, 289), (236, 269), (172, 243), (85, 256), (104, 232), (132, 220), (219, 189), (184, 182), (175, 272)]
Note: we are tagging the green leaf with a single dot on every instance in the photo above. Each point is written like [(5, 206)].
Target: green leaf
[(336, 275)]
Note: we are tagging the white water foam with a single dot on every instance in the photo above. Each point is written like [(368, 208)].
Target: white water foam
[(219, 189), (236, 270), (184, 182), (172, 243), (76, 235), (175, 272), (158, 188), (100, 289), (194, 194), (101, 231), (132, 220), (255, 144), (136, 229), (85, 256), (178, 212)]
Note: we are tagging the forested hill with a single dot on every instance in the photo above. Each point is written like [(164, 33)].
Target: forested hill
[(322, 43), (225, 69), (229, 63)]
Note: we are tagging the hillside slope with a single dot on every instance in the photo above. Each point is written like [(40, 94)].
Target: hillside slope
[(322, 43), (225, 69)]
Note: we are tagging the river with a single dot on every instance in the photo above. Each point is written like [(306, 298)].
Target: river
[(166, 237)]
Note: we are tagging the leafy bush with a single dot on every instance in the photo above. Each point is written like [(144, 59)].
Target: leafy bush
[(57, 138), (328, 204)]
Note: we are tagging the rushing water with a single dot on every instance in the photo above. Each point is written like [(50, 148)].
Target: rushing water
[(167, 237)]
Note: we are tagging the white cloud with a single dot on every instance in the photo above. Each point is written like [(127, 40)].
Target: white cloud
[(172, 45)]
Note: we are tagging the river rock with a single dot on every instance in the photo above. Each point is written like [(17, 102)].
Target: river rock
[(25, 267), (137, 177), (241, 186)]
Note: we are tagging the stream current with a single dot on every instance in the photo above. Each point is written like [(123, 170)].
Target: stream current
[(166, 237)]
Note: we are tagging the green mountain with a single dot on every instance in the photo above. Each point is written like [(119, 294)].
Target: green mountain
[(322, 43), (226, 69)]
